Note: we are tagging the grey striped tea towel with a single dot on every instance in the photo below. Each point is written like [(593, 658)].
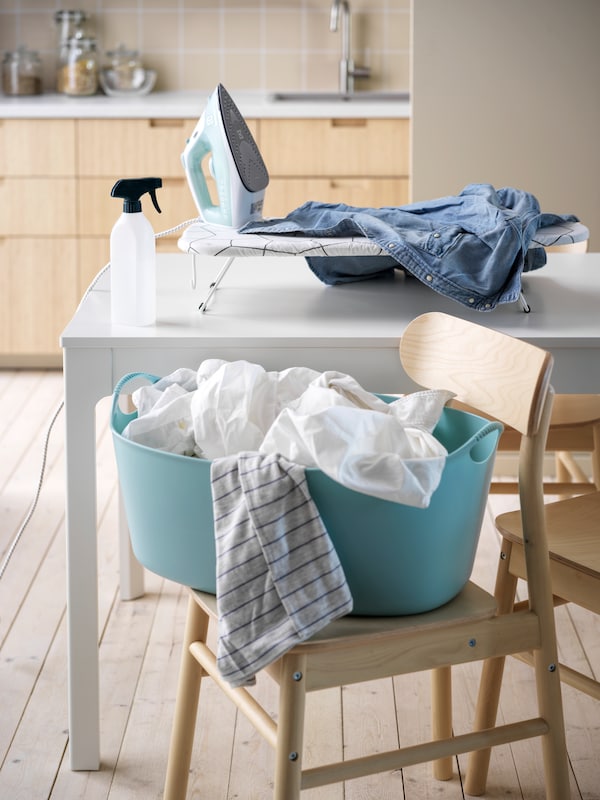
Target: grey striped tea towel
[(279, 579)]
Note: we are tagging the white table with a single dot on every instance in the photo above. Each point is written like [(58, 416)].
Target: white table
[(275, 312)]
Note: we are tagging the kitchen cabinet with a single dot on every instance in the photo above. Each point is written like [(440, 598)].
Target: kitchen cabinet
[(39, 292), (132, 148), (39, 282), (362, 162), (56, 212)]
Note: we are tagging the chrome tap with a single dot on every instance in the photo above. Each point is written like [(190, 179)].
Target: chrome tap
[(348, 70)]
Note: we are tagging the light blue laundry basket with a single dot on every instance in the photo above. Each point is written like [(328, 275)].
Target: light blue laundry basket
[(397, 559)]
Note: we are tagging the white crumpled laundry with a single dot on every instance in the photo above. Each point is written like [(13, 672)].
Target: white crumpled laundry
[(236, 403), (388, 453), (324, 420)]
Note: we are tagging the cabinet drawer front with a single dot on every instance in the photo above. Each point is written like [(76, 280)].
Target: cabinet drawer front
[(38, 293), (285, 194), (134, 148), (319, 147), (37, 147), (128, 148), (38, 207)]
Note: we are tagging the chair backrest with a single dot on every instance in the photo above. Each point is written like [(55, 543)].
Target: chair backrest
[(505, 378), (497, 374)]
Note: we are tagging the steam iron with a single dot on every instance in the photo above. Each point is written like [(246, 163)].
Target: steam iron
[(235, 163)]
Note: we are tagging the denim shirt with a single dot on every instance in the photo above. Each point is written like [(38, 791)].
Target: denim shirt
[(472, 247)]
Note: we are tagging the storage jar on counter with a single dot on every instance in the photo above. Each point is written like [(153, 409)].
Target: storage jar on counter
[(21, 73), (78, 68), (124, 71), (69, 23)]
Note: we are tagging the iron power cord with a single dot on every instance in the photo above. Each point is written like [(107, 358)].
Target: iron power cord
[(17, 537)]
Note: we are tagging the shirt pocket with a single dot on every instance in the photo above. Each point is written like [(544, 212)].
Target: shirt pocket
[(442, 239)]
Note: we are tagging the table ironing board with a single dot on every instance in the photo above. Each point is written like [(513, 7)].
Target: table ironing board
[(206, 239)]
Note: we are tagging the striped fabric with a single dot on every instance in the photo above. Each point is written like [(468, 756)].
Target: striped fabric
[(279, 579)]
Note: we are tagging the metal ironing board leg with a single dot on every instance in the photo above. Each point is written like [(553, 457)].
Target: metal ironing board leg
[(213, 286), (524, 304)]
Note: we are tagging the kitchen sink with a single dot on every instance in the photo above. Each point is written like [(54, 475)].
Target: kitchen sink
[(386, 97)]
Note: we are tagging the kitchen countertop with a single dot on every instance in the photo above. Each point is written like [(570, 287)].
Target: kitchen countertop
[(171, 105)]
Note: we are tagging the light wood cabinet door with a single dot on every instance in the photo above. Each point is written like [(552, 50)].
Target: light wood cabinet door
[(132, 148), (38, 294), (33, 147), (38, 207), (285, 194), (335, 147), (93, 257)]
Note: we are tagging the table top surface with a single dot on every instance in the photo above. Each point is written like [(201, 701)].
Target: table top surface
[(278, 299)]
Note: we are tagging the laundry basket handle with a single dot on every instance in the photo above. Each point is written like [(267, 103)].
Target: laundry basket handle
[(119, 417), (484, 443)]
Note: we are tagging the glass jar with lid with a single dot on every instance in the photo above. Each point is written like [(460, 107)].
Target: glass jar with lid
[(78, 67), (69, 22), (22, 72), (124, 69)]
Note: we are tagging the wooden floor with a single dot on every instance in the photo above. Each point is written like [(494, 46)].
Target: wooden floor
[(139, 653)]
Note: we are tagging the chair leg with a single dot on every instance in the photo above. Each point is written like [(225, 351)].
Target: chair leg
[(490, 684), (290, 728), (563, 474), (554, 746), (441, 717), (596, 456), (186, 706)]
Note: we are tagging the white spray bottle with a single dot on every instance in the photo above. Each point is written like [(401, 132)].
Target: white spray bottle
[(133, 255)]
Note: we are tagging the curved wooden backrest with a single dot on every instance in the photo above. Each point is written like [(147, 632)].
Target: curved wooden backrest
[(501, 376)]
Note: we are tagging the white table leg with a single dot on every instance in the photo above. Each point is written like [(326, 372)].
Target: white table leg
[(87, 376)]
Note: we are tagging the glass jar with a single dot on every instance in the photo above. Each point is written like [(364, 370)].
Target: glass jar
[(22, 72), (69, 23), (124, 69), (78, 68)]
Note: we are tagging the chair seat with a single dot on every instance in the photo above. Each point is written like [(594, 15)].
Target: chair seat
[(353, 649), (572, 533), (472, 603)]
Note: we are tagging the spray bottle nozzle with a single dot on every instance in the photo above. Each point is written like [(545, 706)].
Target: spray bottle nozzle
[(131, 189)]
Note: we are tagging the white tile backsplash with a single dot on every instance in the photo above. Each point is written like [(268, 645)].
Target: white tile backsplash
[(246, 44)]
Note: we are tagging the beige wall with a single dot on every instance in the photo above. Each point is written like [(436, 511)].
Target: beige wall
[(508, 93), (245, 44)]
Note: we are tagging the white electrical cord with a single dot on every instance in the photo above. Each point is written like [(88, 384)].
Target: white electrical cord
[(36, 497), (27, 519)]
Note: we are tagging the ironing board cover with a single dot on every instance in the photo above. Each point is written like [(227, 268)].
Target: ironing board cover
[(208, 239)]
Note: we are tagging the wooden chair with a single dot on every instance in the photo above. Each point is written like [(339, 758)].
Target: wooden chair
[(573, 535), (508, 379), (574, 428)]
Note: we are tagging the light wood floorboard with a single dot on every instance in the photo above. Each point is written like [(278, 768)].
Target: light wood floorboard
[(140, 648)]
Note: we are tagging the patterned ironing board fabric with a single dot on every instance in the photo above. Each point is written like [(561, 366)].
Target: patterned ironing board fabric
[(206, 239)]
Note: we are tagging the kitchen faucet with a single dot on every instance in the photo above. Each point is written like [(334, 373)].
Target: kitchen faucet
[(348, 71)]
